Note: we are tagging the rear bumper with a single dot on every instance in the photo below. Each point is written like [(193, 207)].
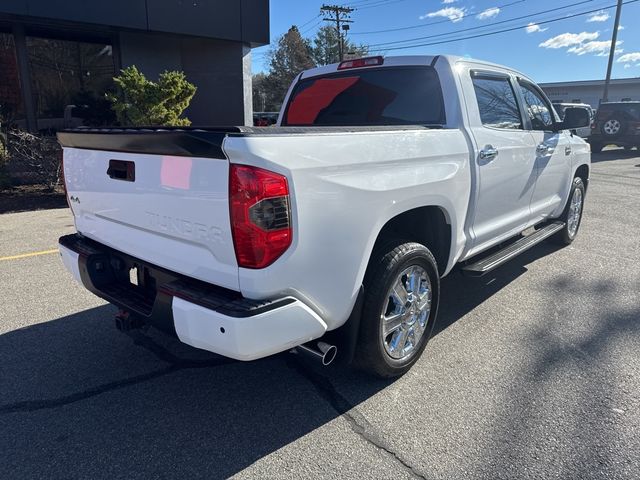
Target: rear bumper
[(199, 314)]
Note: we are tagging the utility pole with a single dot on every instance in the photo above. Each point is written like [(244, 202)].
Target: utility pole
[(340, 16), (612, 52)]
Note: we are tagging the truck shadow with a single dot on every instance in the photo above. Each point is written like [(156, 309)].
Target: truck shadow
[(77, 399)]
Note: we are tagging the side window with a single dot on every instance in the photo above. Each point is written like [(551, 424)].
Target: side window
[(538, 109), (497, 102)]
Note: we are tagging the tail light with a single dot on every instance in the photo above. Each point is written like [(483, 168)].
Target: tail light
[(260, 215)]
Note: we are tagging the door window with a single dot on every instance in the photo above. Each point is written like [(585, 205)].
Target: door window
[(538, 110), (497, 102)]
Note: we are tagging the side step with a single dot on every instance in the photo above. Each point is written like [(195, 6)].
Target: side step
[(485, 265)]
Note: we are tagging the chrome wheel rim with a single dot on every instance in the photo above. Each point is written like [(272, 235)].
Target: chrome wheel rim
[(612, 127), (575, 210), (406, 312)]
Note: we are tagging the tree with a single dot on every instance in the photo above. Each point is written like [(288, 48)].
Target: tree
[(291, 55), (326, 47), (262, 100), (142, 102)]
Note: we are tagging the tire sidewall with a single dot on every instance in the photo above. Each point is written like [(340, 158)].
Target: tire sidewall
[(420, 256), (577, 184)]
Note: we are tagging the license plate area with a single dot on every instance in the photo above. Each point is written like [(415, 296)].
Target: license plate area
[(128, 283)]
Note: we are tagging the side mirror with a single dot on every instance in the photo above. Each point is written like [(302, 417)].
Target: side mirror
[(574, 117)]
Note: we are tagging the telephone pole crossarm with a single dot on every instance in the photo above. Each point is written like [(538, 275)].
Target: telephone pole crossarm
[(340, 16)]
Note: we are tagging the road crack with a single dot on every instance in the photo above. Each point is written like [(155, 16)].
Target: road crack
[(357, 422)]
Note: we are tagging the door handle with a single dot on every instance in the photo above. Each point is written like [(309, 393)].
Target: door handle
[(543, 149), (122, 170), (488, 153)]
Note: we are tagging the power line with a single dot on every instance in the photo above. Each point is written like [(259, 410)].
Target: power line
[(469, 37), (528, 16), (446, 20), (380, 3)]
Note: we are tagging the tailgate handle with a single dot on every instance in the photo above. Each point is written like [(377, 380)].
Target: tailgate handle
[(122, 170)]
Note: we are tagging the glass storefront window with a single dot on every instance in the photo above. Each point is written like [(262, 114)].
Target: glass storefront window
[(66, 73), (11, 105)]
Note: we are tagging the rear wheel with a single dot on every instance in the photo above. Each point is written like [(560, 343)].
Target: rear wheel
[(572, 215), (400, 306)]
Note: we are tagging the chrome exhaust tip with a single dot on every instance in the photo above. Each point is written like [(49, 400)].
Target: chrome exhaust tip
[(321, 351)]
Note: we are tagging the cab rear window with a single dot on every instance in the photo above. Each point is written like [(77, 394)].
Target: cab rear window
[(384, 96)]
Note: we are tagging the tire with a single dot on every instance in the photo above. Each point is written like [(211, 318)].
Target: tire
[(596, 147), (613, 127), (392, 353), (572, 223)]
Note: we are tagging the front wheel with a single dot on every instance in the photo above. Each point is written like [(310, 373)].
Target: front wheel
[(572, 215), (402, 289)]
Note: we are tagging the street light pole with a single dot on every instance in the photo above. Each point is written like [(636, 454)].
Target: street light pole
[(612, 52)]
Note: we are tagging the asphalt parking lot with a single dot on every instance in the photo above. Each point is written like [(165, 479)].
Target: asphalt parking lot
[(533, 372)]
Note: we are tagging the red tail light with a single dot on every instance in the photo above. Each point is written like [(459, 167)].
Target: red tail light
[(260, 215)]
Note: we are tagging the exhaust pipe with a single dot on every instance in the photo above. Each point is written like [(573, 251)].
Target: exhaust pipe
[(318, 351)]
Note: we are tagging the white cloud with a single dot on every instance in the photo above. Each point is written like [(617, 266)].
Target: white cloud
[(454, 14), (620, 27), (488, 13), (449, 1), (627, 65), (569, 39), (629, 57), (534, 27), (600, 16), (600, 48)]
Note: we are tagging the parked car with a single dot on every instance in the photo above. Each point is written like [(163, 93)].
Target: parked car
[(616, 123), (265, 119), (583, 132), (333, 228)]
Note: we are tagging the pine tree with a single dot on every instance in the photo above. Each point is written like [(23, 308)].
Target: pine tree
[(291, 55), (326, 47)]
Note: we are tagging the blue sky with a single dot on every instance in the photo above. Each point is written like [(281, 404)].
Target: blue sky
[(574, 48)]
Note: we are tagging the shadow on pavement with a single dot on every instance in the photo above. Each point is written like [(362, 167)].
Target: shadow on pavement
[(614, 154), (78, 400), (593, 358)]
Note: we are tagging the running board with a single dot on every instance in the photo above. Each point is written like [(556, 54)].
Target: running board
[(479, 268)]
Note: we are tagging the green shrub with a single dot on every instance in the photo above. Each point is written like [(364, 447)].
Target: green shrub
[(140, 101)]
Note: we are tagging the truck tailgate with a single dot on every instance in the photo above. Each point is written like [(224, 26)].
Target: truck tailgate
[(168, 207)]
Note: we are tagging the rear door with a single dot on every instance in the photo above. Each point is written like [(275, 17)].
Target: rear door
[(504, 157), (552, 152), (169, 210)]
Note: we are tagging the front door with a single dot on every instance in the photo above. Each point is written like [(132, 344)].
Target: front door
[(553, 153)]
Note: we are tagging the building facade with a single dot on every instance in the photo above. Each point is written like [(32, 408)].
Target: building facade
[(591, 91), (58, 53)]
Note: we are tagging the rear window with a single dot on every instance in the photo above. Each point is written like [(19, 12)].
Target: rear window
[(385, 96)]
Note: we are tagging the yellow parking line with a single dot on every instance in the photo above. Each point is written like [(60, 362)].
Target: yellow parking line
[(32, 254)]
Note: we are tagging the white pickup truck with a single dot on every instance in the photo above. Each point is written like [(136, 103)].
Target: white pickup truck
[(334, 227)]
